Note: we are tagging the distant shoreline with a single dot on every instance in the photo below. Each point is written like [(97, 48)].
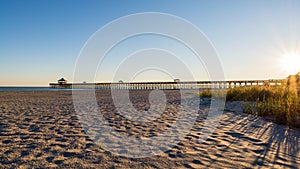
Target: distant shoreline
[(19, 88)]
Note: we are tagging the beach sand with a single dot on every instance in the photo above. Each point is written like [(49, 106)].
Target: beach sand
[(40, 129)]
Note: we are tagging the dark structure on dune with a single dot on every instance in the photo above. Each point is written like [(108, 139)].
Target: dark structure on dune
[(293, 81), (293, 78)]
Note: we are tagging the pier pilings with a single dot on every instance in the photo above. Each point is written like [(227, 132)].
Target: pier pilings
[(170, 85)]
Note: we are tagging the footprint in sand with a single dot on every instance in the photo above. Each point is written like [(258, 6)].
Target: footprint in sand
[(6, 141), (239, 135), (49, 159), (193, 164), (258, 151)]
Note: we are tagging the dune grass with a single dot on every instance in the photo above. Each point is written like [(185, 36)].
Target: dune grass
[(280, 103)]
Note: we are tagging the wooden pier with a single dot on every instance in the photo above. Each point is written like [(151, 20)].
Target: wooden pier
[(169, 85)]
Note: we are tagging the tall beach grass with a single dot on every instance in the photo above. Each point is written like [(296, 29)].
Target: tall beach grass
[(280, 103)]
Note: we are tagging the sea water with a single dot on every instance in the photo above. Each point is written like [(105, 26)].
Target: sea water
[(29, 89)]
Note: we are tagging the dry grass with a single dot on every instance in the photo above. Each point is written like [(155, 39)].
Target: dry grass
[(280, 103)]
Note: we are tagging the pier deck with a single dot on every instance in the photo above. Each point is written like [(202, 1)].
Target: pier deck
[(171, 85)]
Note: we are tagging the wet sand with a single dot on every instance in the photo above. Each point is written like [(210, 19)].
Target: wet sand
[(40, 129)]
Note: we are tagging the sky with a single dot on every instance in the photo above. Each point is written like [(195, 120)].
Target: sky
[(40, 40)]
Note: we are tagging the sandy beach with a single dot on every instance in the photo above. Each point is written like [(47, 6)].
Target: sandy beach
[(40, 129)]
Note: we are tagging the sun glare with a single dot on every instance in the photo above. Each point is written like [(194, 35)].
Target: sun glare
[(291, 63)]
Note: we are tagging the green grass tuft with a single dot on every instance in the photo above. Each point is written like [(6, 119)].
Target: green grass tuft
[(280, 103)]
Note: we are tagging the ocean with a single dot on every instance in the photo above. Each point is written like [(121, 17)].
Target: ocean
[(29, 89)]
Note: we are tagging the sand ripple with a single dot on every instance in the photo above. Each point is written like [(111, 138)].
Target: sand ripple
[(40, 129)]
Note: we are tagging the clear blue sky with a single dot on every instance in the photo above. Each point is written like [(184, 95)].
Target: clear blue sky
[(41, 39)]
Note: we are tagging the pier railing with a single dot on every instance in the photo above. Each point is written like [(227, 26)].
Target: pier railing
[(171, 85)]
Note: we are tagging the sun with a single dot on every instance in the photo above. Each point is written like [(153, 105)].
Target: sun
[(290, 63)]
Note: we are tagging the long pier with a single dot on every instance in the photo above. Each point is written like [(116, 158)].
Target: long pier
[(170, 85)]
